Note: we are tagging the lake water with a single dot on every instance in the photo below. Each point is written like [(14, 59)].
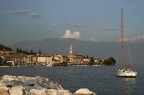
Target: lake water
[(100, 79)]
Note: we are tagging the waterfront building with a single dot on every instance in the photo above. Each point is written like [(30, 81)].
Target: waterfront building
[(4, 52), (41, 60), (86, 60), (2, 60), (65, 59), (14, 59), (58, 59), (99, 60)]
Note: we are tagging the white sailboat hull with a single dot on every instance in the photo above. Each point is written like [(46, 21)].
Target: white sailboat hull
[(126, 73)]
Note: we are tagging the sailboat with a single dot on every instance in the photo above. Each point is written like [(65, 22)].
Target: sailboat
[(125, 70)]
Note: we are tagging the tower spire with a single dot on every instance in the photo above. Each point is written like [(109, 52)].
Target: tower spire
[(71, 49)]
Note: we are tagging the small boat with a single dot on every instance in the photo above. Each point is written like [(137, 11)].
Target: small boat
[(124, 70)]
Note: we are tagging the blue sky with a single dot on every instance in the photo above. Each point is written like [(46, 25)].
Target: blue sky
[(91, 20)]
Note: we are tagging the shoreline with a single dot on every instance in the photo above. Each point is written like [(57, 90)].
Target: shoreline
[(57, 66)]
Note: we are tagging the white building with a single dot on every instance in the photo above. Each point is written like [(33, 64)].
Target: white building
[(42, 59)]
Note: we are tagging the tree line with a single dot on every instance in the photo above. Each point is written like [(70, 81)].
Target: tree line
[(31, 52), (2, 47), (19, 50)]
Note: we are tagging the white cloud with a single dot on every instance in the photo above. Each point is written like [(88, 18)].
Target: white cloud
[(24, 13), (68, 34), (94, 39)]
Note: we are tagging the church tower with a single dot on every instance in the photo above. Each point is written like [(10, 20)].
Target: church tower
[(71, 49)]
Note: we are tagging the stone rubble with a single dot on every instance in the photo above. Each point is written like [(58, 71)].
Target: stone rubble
[(22, 85)]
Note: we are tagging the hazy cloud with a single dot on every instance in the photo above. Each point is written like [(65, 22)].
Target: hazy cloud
[(124, 39), (69, 34), (24, 13), (93, 26), (94, 39), (138, 38)]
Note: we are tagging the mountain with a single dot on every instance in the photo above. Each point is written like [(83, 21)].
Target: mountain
[(61, 46), (92, 49)]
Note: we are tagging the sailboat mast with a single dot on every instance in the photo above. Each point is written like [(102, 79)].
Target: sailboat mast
[(122, 35)]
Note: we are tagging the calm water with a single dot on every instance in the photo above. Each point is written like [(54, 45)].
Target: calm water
[(101, 80)]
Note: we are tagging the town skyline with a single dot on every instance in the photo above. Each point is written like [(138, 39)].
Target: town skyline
[(19, 57), (95, 20)]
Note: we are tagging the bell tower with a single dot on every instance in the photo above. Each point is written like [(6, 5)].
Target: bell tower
[(71, 49)]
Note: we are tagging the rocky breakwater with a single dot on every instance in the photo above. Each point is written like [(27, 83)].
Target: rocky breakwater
[(22, 85)]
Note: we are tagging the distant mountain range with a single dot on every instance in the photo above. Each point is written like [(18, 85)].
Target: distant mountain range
[(92, 49)]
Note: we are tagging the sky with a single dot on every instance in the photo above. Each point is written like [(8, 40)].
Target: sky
[(90, 20)]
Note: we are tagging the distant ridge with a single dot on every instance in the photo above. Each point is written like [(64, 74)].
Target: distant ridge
[(61, 45)]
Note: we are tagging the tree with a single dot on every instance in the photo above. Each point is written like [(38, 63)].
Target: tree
[(20, 50), (17, 50), (87, 56), (39, 51), (91, 61), (110, 61), (31, 52)]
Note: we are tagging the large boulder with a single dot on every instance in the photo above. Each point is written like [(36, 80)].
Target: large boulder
[(4, 91), (84, 91), (58, 92), (42, 81), (64, 92), (30, 81), (9, 78), (52, 92), (17, 90), (37, 92)]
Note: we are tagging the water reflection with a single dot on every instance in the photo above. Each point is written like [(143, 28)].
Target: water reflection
[(128, 80), (126, 85)]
